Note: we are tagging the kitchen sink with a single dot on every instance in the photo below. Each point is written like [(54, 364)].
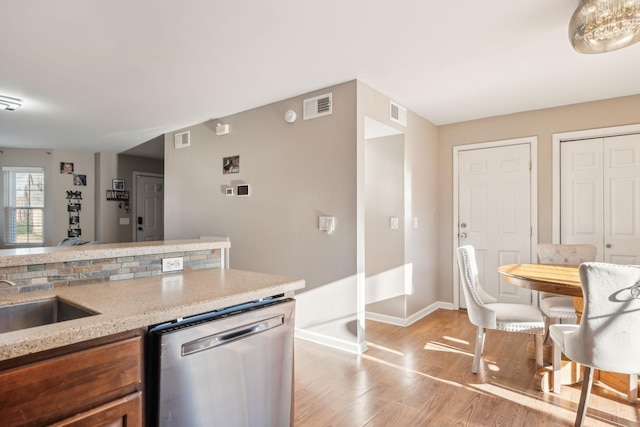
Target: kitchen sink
[(24, 315)]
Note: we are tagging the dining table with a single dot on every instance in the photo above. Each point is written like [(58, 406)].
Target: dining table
[(561, 280)]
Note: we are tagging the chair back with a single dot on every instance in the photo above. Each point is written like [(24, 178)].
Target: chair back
[(609, 331), (549, 253), (474, 295)]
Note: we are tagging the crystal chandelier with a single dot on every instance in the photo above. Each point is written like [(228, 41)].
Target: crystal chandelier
[(605, 25)]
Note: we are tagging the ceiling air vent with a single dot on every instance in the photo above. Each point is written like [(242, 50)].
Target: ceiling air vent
[(182, 139), (397, 113), (317, 106)]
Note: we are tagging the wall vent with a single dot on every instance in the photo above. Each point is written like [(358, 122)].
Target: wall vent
[(317, 106), (182, 139), (397, 113)]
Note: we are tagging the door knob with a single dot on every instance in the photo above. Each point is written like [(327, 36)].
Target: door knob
[(463, 235), (608, 245), (463, 225), (140, 228)]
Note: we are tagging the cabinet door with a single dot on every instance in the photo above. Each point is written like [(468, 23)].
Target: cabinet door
[(53, 389), (123, 412)]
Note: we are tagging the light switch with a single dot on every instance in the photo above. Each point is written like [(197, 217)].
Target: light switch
[(394, 222), (415, 222), (124, 221), (327, 223)]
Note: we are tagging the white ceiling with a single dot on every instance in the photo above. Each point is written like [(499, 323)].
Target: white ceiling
[(109, 75)]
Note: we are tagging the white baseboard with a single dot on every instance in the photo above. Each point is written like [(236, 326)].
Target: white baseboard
[(400, 321), (329, 341)]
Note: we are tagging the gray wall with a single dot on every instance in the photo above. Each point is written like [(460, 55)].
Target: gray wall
[(298, 172), (127, 165), (420, 191)]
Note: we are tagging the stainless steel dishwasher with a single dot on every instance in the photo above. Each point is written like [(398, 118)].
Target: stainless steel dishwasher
[(231, 367)]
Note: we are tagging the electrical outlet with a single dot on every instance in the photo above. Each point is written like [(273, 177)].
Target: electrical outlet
[(171, 264)]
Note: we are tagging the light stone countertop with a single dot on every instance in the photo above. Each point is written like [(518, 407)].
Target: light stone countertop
[(51, 254), (130, 304)]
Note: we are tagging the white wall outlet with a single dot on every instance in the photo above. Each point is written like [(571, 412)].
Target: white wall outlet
[(171, 264), (393, 222)]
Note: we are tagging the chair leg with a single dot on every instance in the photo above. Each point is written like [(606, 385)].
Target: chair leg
[(587, 381), (538, 344), (478, 352), (633, 389), (557, 366)]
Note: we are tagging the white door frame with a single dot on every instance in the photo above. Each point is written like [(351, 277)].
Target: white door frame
[(533, 150), (134, 200), (559, 138)]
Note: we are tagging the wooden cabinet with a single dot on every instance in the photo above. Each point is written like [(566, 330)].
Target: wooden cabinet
[(123, 412), (96, 383)]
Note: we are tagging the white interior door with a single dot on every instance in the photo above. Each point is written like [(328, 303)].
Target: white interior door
[(494, 211), (600, 196), (582, 194), (149, 208), (622, 196)]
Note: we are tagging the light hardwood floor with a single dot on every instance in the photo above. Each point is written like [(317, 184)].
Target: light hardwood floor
[(421, 376)]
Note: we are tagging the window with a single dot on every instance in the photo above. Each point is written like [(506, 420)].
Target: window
[(23, 206)]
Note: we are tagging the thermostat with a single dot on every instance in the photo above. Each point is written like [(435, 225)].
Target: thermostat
[(228, 191), (243, 190)]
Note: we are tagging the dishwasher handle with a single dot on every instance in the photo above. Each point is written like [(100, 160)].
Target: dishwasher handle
[(230, 335)]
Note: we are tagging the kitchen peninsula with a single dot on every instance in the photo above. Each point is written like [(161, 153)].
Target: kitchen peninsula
[(122, 306)]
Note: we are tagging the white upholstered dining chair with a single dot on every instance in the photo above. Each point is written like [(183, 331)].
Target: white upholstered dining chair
[(486, 313), (555, 307), (607, 336)]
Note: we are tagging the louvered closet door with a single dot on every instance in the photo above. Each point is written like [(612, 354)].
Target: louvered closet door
[(600, 196)]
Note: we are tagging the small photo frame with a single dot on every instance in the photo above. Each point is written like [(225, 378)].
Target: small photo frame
[(230, 164), (74, 207), (79, 179), (118, 185), (66, 167), (74, 232)]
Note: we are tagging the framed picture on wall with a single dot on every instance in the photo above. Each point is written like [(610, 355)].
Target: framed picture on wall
[(230, 164), (66, 167), (118, 184)]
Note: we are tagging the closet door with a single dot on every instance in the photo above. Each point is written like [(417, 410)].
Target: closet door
[(600, 196), (622, 199), (582, 195)]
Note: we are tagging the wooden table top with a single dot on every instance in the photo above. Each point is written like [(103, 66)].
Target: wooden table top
[(557, 279)]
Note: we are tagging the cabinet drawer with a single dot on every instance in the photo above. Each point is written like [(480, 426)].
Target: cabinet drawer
[(126, 411), (62, 386)]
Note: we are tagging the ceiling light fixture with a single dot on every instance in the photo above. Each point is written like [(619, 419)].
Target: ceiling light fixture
[(604, 25), (10, 104)]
